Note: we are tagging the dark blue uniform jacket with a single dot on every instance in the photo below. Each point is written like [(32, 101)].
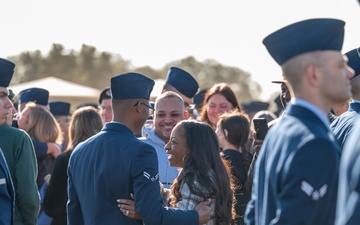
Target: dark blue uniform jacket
[(295, 180), (348, 205), (343, 125)]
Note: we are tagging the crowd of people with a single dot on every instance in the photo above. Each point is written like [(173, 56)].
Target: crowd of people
[(192, 156)]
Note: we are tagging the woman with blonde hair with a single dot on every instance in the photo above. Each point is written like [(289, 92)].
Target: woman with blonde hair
[(41, 126), (84, 123)]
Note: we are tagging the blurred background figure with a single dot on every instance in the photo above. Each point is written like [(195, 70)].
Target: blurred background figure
[(12, 110), (105, 105), (39, 96), (41, 126), (220, 98), (85, 122), (182, 83), (199, 100), (253, 107), (266, 114), (233, 131), (344, 124), (61, 112)]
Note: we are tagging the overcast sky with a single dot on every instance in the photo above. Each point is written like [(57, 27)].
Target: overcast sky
[(155, 32)]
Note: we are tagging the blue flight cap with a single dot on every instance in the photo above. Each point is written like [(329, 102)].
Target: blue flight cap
[(305, 36), (199, 98), (182, 81), (354, 60), (59, 108), (105, 94), (255, 106), (130, 86), (38, 95), (6, 72)]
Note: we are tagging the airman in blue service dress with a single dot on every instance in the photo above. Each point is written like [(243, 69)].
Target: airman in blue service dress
[(343, 125), (348, 203), (295, 180), (113, 164), (347, 130)]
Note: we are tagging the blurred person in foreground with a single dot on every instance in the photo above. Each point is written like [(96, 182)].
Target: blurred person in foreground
[(114, 164), (293, 184), (20, 158), (7, 192)]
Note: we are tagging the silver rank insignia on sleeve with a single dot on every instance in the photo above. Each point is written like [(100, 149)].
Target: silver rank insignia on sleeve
[(311, 192), (147, 175)]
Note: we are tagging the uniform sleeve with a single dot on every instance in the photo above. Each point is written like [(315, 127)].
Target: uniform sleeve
[(348, 202), (309, 181), (56, 192), (148, 200), (27, 195), (40, 149), (73, 206)]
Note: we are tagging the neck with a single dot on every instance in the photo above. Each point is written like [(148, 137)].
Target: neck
[(129, 123), (323, 104), (227, 145)]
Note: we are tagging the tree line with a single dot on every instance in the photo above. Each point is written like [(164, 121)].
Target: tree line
[(93, 68)]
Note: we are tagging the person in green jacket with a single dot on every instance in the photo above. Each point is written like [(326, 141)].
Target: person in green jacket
[(20, 157)]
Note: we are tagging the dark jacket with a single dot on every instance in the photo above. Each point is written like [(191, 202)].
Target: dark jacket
[(295, 180), (343, 125), (56, 195)]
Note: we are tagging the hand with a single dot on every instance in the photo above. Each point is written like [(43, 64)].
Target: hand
[(53, 149), (257, 143), (127, 207), (204, 211)]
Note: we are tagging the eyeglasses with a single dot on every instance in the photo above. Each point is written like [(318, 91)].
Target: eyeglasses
[(151, 109)]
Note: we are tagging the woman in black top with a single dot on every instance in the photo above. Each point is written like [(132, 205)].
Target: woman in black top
[(233, 132)]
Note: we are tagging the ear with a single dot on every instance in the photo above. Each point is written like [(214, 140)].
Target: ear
[(226, 133), (313, 75), (138, 107)]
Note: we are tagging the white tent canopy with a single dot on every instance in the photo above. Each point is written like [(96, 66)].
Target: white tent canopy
[(61, 90)]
